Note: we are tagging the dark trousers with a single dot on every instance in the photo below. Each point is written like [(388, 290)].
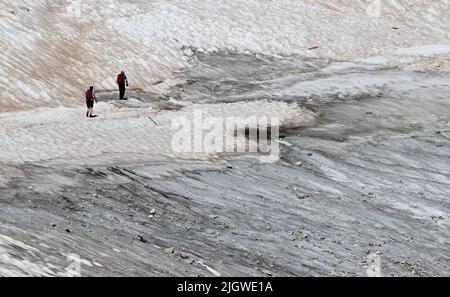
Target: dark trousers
[(122, 90)]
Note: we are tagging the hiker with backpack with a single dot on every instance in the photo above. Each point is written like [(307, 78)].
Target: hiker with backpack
[(90, 98), (122, 81)]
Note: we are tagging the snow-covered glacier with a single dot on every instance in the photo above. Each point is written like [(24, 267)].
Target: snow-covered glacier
[(52, 49), (360, 89)]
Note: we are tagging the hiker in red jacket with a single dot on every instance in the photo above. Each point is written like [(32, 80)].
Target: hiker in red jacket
[(90, 98), (122, 81)]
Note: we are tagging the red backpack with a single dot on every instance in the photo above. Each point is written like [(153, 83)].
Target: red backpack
[(89, 95), (120, 79)]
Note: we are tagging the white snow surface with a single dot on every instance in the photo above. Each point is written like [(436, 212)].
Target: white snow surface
[(52, 50), (434, 49), (62, 133)]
